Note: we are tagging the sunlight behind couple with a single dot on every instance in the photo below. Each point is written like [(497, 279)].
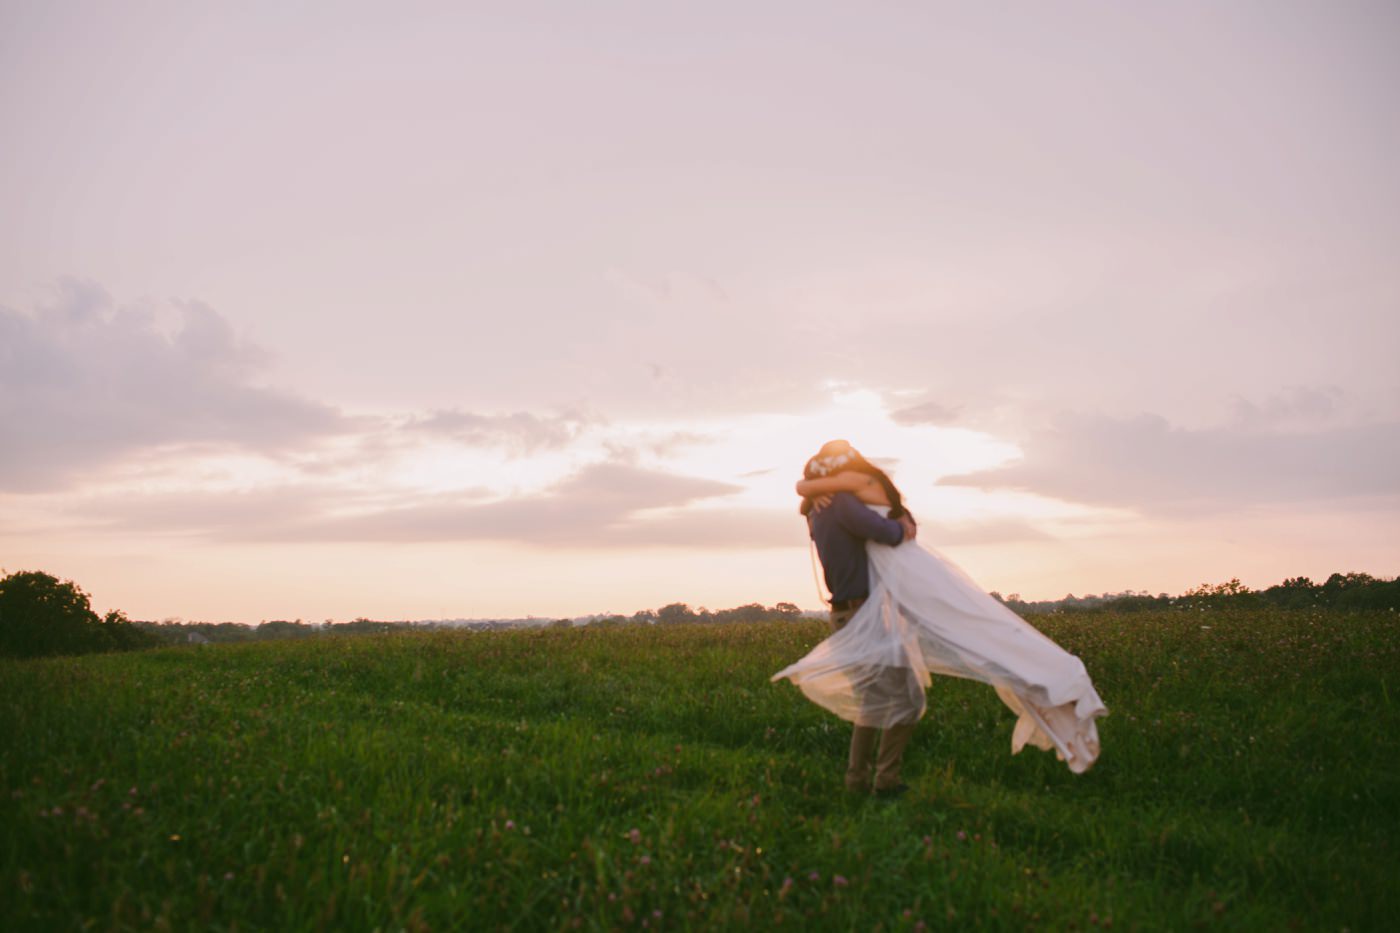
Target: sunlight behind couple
[(763, 456), (760, 455)]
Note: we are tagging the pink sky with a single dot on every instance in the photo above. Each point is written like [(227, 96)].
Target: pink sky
[(447, 310)]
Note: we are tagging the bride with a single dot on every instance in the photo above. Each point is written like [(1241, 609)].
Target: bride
[(925, 616)]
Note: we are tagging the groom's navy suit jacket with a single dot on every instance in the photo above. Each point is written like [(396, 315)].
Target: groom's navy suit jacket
[(840, 531)]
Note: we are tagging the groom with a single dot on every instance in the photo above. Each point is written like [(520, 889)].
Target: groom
[(840, 529)]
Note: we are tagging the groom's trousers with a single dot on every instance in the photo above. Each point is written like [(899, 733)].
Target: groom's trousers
[(869, 747)]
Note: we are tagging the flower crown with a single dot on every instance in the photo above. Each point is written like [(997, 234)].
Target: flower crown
[(824, 466)]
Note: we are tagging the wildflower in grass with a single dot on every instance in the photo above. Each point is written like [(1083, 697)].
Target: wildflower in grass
[(962, 836), (510, 824), (814, 876), (786, 887), (636, 837), (839, 881)]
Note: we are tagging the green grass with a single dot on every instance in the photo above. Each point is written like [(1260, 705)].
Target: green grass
[(622, 777)]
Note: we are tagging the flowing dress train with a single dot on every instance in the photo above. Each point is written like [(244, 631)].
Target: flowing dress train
[(925, 616)]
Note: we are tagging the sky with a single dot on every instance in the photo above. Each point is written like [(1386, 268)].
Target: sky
[(453, 310)]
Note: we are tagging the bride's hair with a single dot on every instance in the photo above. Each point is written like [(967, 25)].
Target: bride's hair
[(851, 462)]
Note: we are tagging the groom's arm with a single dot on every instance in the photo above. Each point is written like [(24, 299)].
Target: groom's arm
[(864, 523)]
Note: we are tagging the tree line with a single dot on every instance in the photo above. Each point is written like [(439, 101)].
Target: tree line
[(672, 614), (41, 615), (1339, 591)]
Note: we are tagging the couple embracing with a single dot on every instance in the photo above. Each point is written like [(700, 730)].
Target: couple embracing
[(900, 613)]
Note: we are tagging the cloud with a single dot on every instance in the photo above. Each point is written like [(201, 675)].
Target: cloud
[(1145, 462), (83, 383), (598, 504), (521, 433), (1294, 407), (713, 528), (263, 513), (927, 413), (1005, 531), (603, 504)]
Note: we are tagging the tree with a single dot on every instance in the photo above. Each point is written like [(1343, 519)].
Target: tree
[(674, 613), (1347, 581), (1231, 587), (1293, 593), (281, 628), (40, 615)]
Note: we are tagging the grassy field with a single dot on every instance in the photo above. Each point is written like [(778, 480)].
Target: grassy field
[(635, 777)]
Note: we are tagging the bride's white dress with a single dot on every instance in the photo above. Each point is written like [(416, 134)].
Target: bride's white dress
[(925, 616)]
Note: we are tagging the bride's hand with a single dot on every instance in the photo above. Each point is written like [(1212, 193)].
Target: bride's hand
[(911, 530)]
